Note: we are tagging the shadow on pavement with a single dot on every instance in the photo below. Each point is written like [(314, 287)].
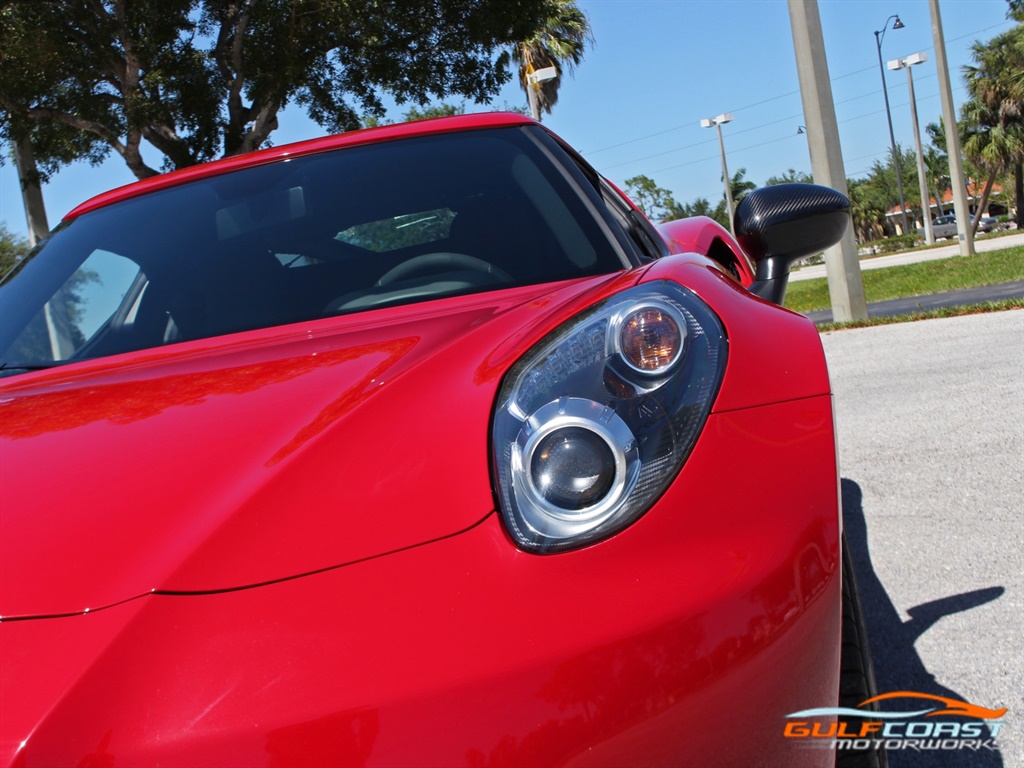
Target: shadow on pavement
[(898, 667)]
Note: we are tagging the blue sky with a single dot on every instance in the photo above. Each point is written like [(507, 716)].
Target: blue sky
[(658, 66)]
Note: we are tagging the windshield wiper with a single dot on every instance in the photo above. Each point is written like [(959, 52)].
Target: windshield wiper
[(30, 366)]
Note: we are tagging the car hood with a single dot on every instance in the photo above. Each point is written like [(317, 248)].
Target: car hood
[(228, 463)]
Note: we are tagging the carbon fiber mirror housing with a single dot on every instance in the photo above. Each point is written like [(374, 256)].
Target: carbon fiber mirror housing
[(783, 223)]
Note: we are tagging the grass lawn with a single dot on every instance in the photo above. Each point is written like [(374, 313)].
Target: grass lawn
[(928, 314), (917, 279)]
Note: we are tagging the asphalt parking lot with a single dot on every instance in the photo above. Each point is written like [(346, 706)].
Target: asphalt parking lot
[(931, 432)]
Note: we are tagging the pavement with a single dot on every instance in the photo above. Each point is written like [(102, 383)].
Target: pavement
[(930, 420)]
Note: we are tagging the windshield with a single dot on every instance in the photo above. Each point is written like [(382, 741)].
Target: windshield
[(301, 239)]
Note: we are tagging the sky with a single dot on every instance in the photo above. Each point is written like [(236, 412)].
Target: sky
[(657, 67)]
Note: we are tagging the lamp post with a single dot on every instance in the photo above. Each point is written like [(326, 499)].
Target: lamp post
[(718, 122), (879, 35), (907, 63)]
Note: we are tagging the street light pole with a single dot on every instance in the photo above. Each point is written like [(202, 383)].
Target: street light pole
[(879, 35), (718, 122), (926, 211)]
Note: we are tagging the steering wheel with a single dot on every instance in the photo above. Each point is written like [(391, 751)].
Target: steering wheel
[(440, 262)]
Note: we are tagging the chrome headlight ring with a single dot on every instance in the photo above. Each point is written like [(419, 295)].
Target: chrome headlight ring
[(562, 498)]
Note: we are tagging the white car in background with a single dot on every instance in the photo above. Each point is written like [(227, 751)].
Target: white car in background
[(945, 226)]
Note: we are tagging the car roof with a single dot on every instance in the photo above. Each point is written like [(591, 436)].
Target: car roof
[(299, 149)]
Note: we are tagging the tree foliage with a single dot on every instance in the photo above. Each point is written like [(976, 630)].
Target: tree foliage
[(871, 198), (739, 186), (12, 249), (791, 176), (560, 43), (199, 79), (658, 204), (653, 200), (699, 207), (993, 119)]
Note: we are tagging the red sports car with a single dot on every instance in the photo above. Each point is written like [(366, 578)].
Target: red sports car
[(415, 446)]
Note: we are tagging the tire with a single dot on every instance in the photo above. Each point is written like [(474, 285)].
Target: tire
[(856, 672)]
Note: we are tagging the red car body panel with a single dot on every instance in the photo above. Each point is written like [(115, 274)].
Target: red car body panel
[(421, 657), (704, 235), (388, 618), (205, 515)]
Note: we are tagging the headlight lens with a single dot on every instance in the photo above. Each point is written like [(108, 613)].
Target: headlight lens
[(594, 422)]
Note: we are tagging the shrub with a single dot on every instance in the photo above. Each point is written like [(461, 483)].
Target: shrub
[(893, 244)]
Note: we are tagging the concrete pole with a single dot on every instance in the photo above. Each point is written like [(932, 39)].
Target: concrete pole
[(845, 286), (922, 180), (956, 165), (731, 209)]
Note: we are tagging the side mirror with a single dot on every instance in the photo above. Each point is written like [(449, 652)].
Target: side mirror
[(783, 223)]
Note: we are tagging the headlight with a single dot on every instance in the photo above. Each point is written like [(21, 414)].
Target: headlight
[(594, 422), (597, 419)]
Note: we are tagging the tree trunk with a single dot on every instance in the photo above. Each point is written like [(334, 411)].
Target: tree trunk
[(31, 191), (980, 207), (1018, 193)]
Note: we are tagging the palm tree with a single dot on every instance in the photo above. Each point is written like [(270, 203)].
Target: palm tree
[(991, 144), (739, 185), (994, 117), (560, 43), (936, 165), (867, 207)]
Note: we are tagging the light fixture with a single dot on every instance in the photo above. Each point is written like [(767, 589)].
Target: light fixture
[(533, 80)]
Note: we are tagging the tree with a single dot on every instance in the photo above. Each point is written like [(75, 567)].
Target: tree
[(992, 144), (792, 176), (198, 79), (879, 194), (994, 117), (867, 217), (434, 110), (936, 167), (12, 249), (699, 207), (740, 186), (658, 204), (653, 200), (431, 111), (560, 43)]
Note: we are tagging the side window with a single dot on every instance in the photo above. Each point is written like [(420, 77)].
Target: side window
[(639, 229), (104, 286), (639, 233)]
